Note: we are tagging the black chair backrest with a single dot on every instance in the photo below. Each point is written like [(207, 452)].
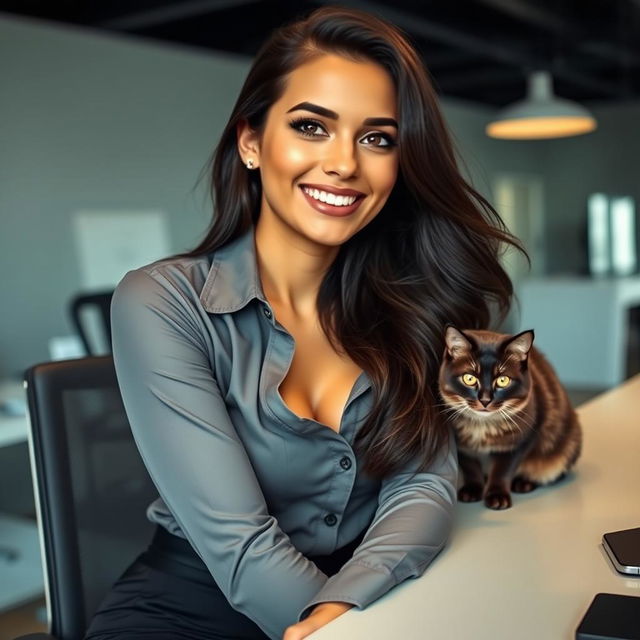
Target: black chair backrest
[(101, 302), (91, 487)]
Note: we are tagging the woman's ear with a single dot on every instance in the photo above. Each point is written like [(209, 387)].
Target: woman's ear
[(248, 144)]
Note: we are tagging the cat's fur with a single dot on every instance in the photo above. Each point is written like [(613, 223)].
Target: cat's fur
[(528, 429)]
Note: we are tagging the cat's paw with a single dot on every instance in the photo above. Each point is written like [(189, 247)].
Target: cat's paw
[(471, 492), (497, 498), (522, 485)]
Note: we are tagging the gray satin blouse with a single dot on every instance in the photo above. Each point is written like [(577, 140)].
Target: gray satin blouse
[(254, 487)]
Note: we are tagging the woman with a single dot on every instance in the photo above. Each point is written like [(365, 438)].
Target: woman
[(280, 378)]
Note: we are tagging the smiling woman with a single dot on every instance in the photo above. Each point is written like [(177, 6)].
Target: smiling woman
[(339, 69), (329, 137), (280, 378), (328, 161)]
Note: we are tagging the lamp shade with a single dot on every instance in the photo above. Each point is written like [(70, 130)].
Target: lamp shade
[(541, 114)]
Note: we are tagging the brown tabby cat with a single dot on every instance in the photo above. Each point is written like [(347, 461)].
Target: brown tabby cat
[(505, 400)]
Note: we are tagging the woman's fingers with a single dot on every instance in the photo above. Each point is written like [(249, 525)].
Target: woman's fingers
[(301, 630), (322, 614)]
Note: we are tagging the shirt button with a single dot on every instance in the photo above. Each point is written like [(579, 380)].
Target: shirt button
[(345, 463), (267, 312), (330, 519)]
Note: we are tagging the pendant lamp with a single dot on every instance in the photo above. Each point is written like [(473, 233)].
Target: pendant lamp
[(541, 114)]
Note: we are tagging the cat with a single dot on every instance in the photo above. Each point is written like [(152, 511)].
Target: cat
[(505, 400)]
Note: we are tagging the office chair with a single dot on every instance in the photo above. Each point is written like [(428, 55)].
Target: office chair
[(79, 305), (91, 487)]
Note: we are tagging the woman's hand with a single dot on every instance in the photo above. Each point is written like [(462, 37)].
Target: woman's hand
[(320, 615)]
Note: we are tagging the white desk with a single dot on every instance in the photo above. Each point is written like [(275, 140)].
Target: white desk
[(528, 572), (13, 429)]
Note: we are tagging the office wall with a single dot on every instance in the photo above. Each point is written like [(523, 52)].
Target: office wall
[(605, 160), (93, 121), (90, 120)]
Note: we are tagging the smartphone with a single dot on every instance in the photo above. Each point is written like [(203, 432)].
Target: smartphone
[(610, 617), (623, 548)]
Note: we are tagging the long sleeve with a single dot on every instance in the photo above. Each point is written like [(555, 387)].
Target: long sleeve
[(411, 525), (196, 458)]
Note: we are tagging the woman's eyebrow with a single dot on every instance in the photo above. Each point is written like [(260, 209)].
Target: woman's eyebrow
[(381, 122), (327, 113), (315, 108)]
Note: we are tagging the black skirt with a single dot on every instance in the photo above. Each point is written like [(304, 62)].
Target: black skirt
[(167, 593)]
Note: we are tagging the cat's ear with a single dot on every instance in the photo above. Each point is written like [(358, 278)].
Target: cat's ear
[(520, 344), (456, 342)]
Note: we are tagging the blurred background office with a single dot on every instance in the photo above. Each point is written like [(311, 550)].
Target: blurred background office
[(109, 112)]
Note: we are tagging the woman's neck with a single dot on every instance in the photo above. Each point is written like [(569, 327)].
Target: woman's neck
[(291, 266)]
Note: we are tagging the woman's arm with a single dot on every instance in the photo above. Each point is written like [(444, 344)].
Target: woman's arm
[(410, 527), (195, 457)]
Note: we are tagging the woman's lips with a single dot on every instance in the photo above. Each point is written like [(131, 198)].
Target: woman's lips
[(331, 209)]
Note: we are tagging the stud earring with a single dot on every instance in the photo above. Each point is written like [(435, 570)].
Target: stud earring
[(250, 164)]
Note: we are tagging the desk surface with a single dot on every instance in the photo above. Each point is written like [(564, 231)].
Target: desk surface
[(531, 571)]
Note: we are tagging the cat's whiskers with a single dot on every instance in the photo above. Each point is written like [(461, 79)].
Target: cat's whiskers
[(458, 409), (522, 417), (521, 425), (512, 409), (452, 405), (508, 420), (453, 414), (445, 406), (449, 418), (477, 425)]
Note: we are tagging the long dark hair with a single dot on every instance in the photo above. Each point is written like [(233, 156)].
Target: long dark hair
[(430, 257)]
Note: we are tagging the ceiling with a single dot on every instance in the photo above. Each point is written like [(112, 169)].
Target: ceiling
[(476, 50)]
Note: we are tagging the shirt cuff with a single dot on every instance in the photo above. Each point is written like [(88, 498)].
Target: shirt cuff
[(356, 584)]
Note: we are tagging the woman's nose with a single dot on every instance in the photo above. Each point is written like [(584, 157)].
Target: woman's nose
[(341, 158)]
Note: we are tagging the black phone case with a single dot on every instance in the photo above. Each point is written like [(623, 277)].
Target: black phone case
[(625, 547), (611, 617)]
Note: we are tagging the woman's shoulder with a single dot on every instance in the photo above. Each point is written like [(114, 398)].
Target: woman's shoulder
[(178, 277), (224, 279), (179, 268)]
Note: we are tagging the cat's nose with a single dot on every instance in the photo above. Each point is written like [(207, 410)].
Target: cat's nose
[(484, 401)]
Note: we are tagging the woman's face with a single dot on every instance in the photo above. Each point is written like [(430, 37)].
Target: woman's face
[(327, 153)]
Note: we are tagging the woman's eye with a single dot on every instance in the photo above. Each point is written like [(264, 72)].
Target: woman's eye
[(379, 140), (309, 128), (469, 380), (503, 381)]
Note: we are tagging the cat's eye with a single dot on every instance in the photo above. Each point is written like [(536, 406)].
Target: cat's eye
[(469, 379), (503, 381)]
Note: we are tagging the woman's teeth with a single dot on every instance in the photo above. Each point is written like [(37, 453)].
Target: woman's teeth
[(330, 198)]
